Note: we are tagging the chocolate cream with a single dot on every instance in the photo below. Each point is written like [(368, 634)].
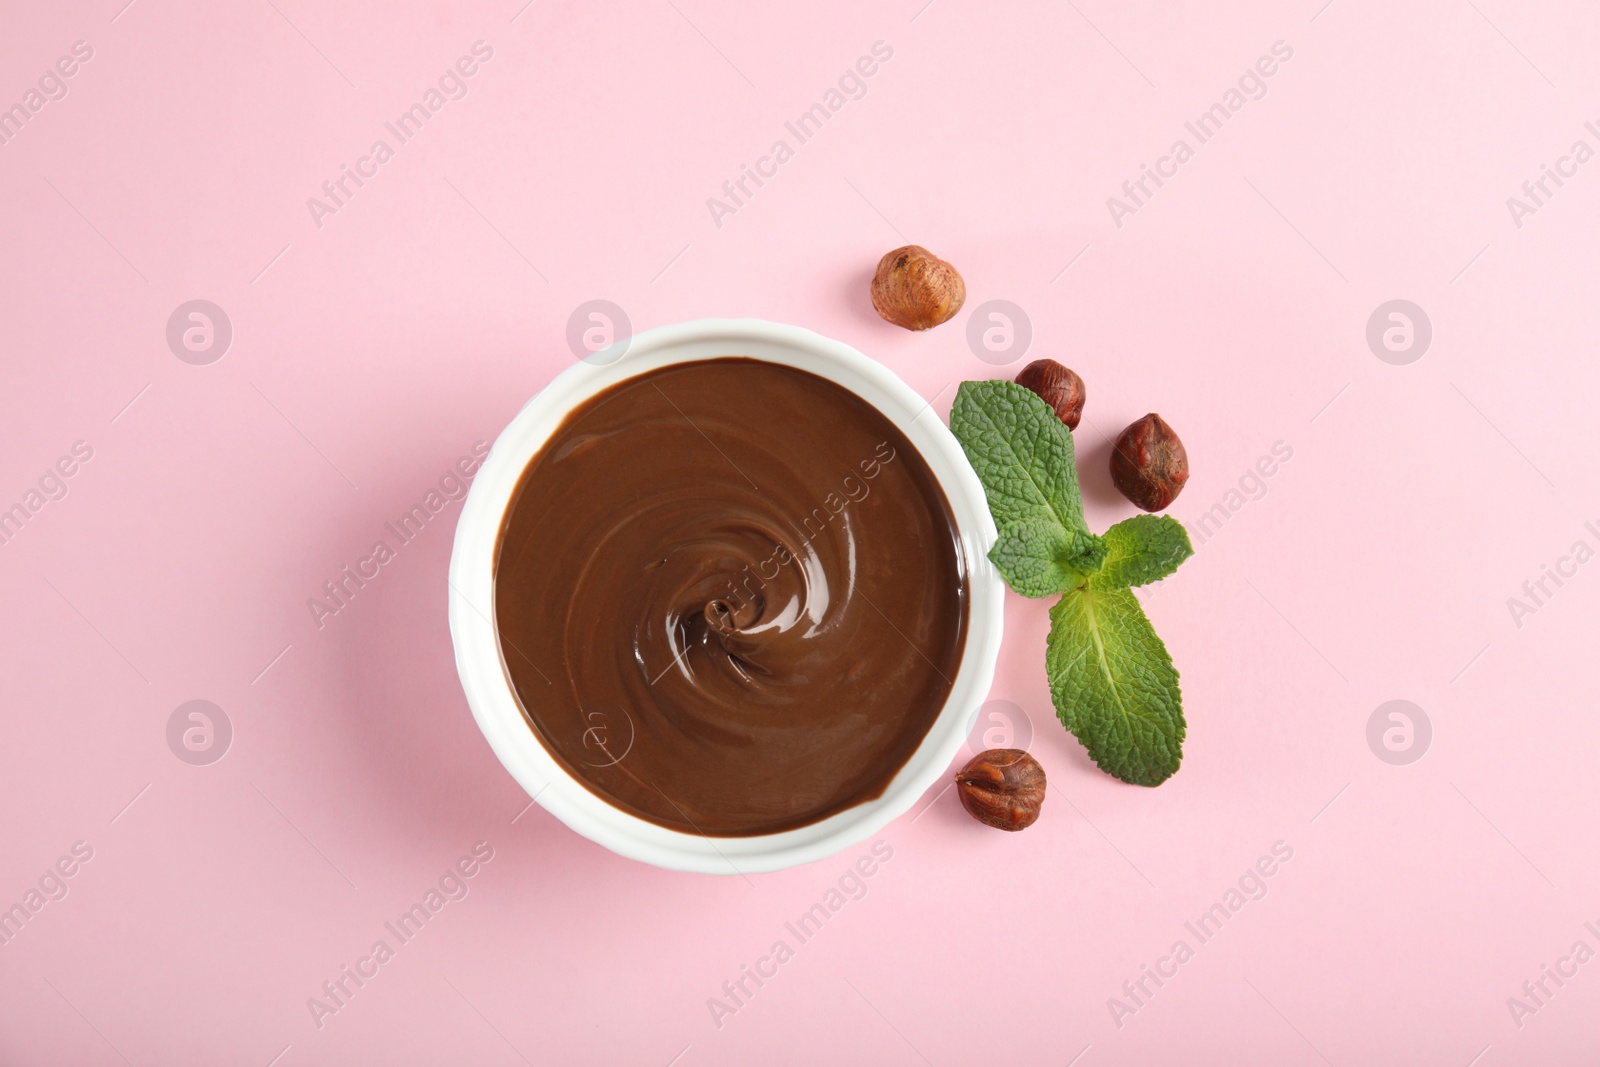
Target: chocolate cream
[(731, 597)]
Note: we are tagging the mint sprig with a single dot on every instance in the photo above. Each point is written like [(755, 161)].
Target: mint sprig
[(1111, 679)]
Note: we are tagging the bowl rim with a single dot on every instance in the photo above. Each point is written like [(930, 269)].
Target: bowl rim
[(478, 655)]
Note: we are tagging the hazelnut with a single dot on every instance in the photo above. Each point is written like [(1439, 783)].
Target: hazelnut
[(1149, 465), (1058, 386), (1003, 788), (916, 289)]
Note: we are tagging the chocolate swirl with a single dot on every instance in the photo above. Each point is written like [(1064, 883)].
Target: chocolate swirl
[(730, 597)]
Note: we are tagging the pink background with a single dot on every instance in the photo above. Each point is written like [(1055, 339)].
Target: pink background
[(370, 353)]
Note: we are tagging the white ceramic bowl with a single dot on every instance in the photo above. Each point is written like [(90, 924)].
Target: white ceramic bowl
[(477, 644)]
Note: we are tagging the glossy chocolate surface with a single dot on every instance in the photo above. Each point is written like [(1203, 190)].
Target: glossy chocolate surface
[(730, 597)]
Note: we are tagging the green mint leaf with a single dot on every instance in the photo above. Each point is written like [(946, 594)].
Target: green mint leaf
[(1042, 558), (1021, 452), (1141, 550), (1114, 685), (1111, 679)]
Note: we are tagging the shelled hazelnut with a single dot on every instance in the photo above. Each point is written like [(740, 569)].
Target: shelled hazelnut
[(1002, 788), (1149, 465), (1056, 385), (916, 289)]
